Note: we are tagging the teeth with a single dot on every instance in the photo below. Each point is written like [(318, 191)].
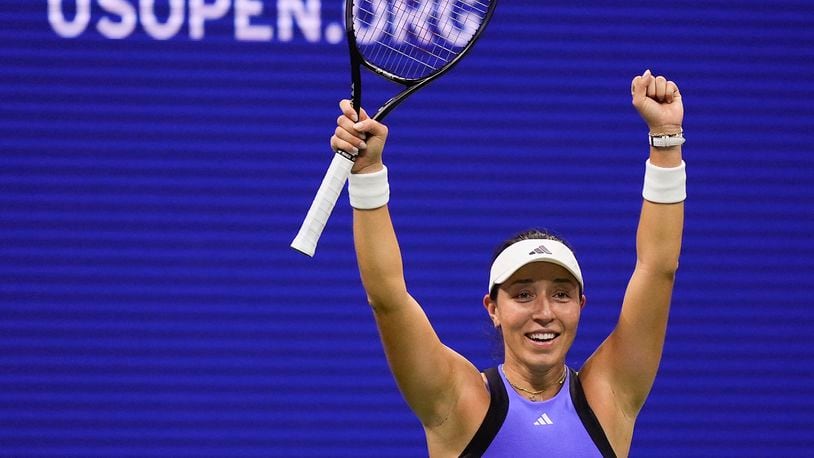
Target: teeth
[(542, 336)]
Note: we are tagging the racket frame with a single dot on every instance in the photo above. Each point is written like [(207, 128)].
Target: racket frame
[(340, 168), (411, 84)]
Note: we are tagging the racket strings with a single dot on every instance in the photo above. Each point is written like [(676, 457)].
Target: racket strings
[(425, 35), (412, 42), (392, 52)]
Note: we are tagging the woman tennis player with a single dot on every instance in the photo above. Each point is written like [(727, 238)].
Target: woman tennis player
[(533, 404)]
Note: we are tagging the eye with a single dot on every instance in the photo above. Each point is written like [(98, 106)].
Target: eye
[(524, 296), (562, 295)]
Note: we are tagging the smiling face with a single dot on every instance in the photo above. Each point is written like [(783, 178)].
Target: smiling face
[(538, 310)]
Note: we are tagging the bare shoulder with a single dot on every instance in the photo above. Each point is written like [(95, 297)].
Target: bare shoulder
[(466, 413)]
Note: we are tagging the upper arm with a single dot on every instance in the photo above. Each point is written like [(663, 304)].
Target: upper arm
[(618, 377), (431, 376), (629, 358), (627, 362), (436, 382)]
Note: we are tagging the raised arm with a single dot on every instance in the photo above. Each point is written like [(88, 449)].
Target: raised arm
[(432, 378), (626, 363)]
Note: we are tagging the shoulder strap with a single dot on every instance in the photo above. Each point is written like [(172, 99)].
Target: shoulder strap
[(588, 417), (495, 416)]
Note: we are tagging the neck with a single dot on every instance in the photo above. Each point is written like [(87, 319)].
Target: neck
[(536, 386)]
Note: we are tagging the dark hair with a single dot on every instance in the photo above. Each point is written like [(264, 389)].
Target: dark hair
[(529, 234)]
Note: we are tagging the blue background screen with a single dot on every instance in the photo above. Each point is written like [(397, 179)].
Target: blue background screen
[(157, 158)]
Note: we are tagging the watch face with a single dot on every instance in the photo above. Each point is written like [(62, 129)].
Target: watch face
[(664, 141)]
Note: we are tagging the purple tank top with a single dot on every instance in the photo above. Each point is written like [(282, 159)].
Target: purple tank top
[(544, 428)]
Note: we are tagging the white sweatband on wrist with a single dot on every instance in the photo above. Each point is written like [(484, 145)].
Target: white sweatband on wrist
[(665, 185), (369, 190)]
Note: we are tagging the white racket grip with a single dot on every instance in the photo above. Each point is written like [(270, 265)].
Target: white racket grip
[(327, 195)]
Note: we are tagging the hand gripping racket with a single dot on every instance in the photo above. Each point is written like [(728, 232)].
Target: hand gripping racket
[(410, 42)]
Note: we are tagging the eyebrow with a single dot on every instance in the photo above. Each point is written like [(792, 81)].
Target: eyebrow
[(521, 281), (525, 281)]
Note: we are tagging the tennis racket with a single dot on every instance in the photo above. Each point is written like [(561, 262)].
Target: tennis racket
[(410, 42)]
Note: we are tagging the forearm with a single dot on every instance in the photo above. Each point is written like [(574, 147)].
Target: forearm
[(658, 239), (377, 250), (379, 257)]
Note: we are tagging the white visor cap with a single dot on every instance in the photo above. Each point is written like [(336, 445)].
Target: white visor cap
[(524, 252)]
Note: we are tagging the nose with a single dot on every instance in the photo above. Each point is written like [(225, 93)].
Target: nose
[(543, 311)]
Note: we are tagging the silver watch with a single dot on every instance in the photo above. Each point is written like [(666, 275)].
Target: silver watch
[(667, 141)]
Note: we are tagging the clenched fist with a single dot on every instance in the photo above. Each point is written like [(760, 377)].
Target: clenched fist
[(658, 102)]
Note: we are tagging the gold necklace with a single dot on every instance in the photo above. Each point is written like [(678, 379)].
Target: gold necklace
[(533, 394)]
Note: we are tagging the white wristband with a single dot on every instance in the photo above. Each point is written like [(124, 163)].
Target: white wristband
[(369, 190), (665, 185)]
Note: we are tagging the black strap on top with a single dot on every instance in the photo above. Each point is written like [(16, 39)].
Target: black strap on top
[(495, 416), (588, 417)]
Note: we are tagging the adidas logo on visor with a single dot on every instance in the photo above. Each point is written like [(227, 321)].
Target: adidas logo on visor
[(539, 250)]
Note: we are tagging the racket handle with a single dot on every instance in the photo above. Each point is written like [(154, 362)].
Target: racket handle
[(327, 195)]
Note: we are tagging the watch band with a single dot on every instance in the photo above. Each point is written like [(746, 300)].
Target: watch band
[(667, 141)]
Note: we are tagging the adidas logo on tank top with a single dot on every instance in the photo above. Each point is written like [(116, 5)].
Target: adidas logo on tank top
[(543, 420)]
